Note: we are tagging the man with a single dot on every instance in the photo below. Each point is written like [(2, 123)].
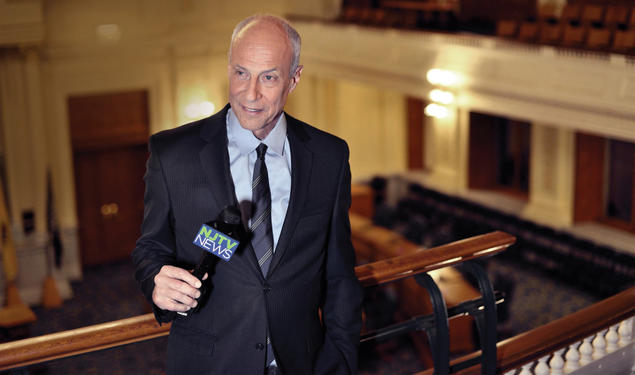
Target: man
[(288, 301)]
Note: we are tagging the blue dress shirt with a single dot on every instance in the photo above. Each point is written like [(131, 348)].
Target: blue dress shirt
[(242, 157)]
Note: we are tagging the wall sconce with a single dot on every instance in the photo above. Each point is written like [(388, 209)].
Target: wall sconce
[(199, 110), (436, 111), (441, 96), (108, 33), (442, 77)]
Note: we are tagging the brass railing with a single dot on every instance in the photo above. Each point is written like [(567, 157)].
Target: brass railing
[(126, 331)]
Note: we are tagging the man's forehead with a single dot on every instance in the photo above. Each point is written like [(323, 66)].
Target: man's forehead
[(262, 26), (262, 47), (262, 34)]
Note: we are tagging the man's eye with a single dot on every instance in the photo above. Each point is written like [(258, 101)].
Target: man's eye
[(269, 78)]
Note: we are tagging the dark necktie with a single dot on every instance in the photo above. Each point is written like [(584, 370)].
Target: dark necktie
[(262, 240)]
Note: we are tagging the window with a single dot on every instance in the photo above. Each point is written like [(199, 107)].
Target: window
[(605, 181), (619, 184), (499, 154)]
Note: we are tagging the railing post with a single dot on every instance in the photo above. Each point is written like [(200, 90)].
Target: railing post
[(439, 334), (486, 321)]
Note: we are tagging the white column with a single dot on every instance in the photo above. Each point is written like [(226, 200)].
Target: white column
[(443, 155), (626, 332), (557, 363), (612, 338), (37, 137), (551, 177), (572, 358), (599, 345), (586, 351), (24, 137), (15, 123)]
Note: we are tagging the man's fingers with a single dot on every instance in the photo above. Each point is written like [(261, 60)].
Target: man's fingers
[(184, 288), (175, 289), (172, 287), (173, 305), (181, 274), (167, 297)]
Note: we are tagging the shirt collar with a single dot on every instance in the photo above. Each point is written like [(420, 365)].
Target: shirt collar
[(247, 142)]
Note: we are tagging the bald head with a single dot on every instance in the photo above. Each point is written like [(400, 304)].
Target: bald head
[(265, 21)]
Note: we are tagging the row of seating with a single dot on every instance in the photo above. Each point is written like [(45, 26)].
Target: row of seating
[(398, 18), (574, 35), (609, 15), (596, 268), (592, 27), (596, 27)]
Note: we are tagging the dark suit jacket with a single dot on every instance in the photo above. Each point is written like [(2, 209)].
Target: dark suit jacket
[(188, 182)]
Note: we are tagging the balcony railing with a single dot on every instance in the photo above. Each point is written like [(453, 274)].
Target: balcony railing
[(581, 339), (605, 327), (126, 331)]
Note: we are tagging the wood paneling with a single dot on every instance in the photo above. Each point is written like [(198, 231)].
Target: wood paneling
[(109, 134), (109, 202), (484, 152), (589, 177), (106, 120), (415, 142)]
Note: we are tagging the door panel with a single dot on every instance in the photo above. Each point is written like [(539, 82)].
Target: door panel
[(109, 133), (109, 202)]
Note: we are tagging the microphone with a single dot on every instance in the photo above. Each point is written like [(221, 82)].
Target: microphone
[(218, 240)]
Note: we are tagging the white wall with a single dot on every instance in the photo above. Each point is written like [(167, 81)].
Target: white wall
[(370, 119)]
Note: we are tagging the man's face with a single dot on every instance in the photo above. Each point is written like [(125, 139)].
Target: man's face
[(259, 80)]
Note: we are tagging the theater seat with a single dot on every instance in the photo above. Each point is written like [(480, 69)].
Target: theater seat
[(599, 38), (506, 28), (528, 32), (550, 33), (592, 14), (574, 35), (616, 15), (624, 41)]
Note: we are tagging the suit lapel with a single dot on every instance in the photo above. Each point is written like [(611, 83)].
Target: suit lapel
[(218, 174), (301, 162)]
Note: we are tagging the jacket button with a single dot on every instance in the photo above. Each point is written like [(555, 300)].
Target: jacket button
[(266, 288), (260, 346)]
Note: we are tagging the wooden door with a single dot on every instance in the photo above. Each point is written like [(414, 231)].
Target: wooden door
[(416, 124), (484, 153), (109, 134)]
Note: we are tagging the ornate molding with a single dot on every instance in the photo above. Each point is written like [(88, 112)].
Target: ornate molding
[(583, 90)]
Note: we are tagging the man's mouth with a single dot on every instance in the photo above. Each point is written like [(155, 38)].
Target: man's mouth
[(252, 110)]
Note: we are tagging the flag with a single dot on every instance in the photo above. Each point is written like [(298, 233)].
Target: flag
[(9, 259), (51, 221)]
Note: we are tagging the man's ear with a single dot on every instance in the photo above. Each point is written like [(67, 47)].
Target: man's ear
[(296, 77)]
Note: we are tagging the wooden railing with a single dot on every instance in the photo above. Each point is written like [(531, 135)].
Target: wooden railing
[(540, 342), (126, 331)]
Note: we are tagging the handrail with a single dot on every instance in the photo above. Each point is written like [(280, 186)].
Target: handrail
[(63, 344), (532, 345), (126, 331), (433, 258)]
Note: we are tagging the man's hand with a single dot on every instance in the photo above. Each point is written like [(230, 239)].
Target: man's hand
[(175, 289)]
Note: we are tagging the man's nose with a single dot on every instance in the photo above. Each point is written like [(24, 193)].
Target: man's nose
[(253, 90)]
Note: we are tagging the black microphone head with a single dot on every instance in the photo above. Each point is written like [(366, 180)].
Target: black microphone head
[(229, 215)]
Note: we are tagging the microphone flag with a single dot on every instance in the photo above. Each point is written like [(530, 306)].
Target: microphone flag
[(215, 242)]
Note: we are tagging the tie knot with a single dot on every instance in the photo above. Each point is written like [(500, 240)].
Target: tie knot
[(261, 150)]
